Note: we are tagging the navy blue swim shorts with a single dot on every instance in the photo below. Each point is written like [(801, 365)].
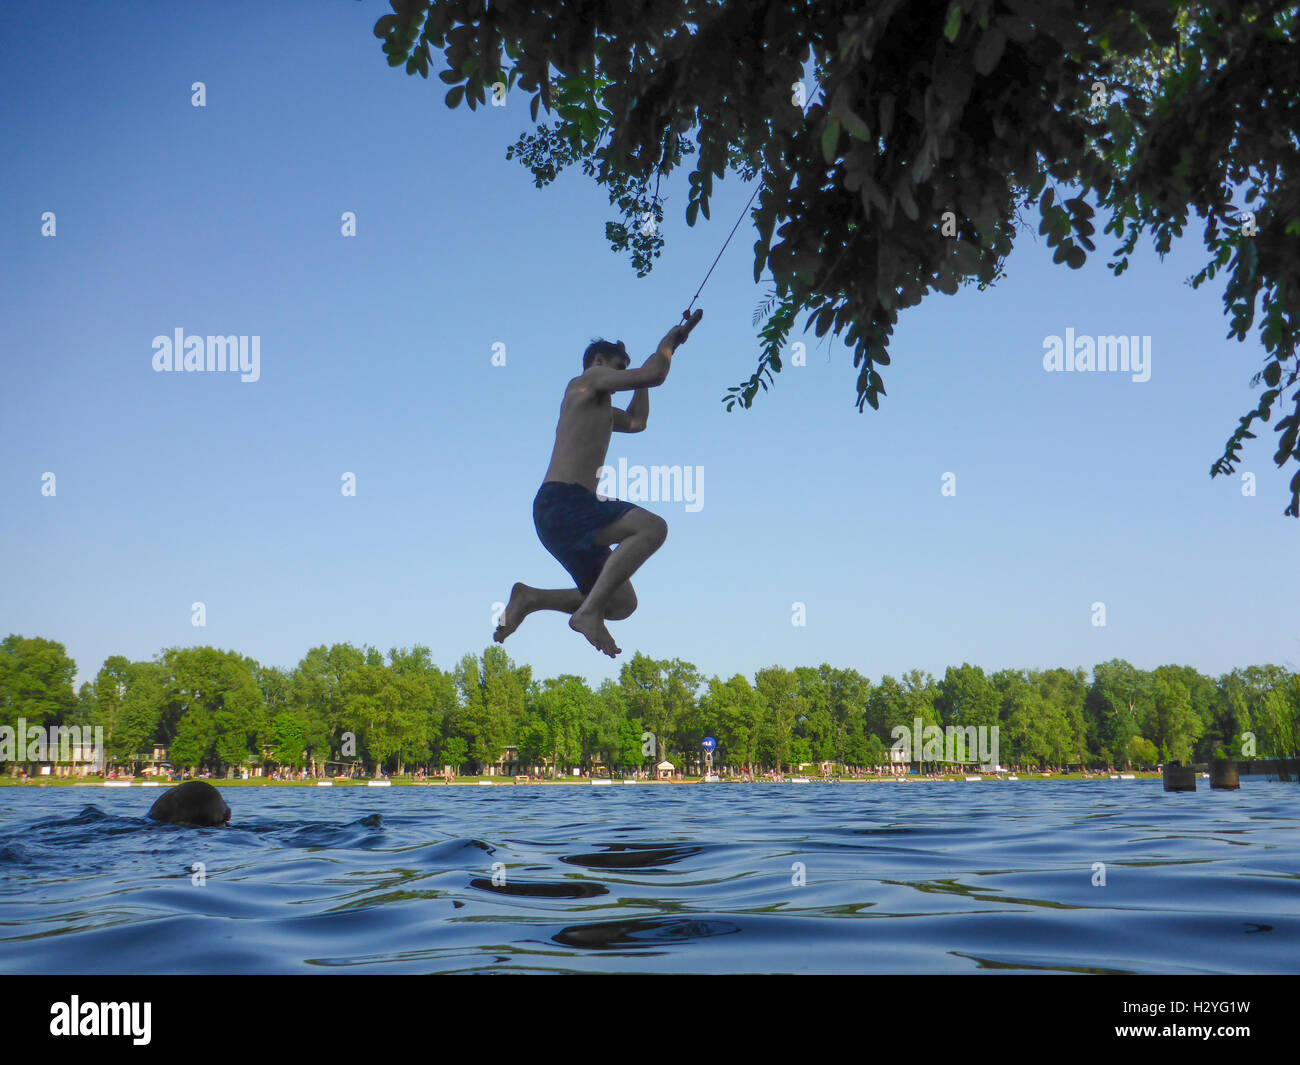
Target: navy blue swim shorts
[(567, 517)]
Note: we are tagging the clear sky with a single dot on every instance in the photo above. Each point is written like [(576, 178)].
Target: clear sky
[(376, 359)]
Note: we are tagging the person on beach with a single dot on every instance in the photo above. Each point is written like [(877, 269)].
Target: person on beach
[(575, 525)]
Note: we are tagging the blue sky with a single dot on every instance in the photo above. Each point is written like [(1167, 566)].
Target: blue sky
[(376, 359)]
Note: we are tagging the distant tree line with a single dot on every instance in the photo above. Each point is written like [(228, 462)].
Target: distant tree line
[(215, 710)]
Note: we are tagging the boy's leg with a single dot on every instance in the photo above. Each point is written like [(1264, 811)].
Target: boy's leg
[(639, 534), (524, 600)]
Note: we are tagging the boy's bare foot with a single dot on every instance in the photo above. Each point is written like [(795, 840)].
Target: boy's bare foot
[(516, 610), (592, 626)]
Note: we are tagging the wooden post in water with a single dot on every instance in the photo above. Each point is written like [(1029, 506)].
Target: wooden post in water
[(1180, 778), (1223, 774)]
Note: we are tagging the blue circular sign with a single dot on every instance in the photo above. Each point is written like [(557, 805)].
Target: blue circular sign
[(709, 743)]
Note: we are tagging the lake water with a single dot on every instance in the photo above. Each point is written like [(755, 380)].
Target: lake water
[(907, 878)]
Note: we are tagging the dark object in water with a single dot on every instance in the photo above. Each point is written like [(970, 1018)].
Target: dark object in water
[(1180, 778), (193, 803), (1223, 774)]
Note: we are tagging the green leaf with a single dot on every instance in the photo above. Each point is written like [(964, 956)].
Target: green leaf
[(952, 27), (854, 125), (904, 195), (455, 95), (830, 137)]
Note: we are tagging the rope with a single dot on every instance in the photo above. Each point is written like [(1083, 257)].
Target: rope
[(686, 314)]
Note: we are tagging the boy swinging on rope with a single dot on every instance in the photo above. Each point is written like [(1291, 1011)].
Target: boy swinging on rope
[(572, 523)]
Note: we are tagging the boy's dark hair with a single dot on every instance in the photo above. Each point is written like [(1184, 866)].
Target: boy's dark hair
[(602, 347)]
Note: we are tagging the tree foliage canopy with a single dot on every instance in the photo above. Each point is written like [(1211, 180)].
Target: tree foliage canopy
[(932, 123), (343, 704)]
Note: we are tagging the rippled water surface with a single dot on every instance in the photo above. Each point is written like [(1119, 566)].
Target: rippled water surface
[(909, 877)]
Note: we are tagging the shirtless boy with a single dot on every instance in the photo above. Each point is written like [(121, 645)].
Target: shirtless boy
[(573, 524)]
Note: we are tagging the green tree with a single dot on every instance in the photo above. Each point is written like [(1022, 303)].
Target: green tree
[(1143, 752), (84, 712), (318, 682), (566, 707), (35, 682), (849, 694), (429, 695), (1066, 692), (660, 693), (146, 697), (783, 705), (607, 734), (816, 727), (484, 733), (732, 712), (872, 752), (1179, 725), (454, 752), (289, 739), (217, 705), (110, 687), (1232, 718), (1039, 725), (370, 707), (968, 697), (893, 704), (1120, 698), (1264, 692), (1275, 723)]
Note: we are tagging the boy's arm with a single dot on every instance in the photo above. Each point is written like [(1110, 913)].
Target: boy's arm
[(634, 418), (649, 375), (673, 339), (653, 371)]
